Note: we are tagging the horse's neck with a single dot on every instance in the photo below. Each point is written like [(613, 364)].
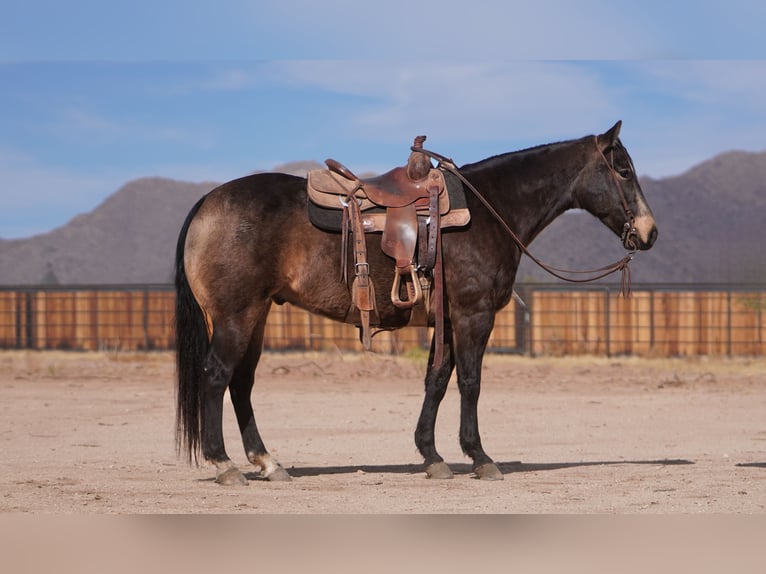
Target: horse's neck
[(531, 188)]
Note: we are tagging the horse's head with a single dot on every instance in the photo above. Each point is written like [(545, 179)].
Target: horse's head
[(608, 188)]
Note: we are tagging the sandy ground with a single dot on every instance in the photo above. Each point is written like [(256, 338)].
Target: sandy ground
[(94, 433)]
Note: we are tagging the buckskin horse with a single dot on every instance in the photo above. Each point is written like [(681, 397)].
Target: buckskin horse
[(249, 243)]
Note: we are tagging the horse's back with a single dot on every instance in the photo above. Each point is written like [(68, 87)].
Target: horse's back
[(255, 198), (252, 238)]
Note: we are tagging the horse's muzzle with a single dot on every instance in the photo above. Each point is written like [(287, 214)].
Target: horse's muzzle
[(641, 235)]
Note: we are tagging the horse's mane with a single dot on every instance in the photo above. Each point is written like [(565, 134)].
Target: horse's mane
[(504, 157)]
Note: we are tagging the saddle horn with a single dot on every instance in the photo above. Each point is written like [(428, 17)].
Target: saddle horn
[(418, 164)]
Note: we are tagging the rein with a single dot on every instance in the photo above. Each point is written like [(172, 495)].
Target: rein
[(622, 265)]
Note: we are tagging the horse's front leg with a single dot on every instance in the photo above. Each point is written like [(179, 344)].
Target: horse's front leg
[(436, 382), (470, 341)]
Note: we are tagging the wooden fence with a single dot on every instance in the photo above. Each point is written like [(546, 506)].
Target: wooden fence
[(655, 321), (87, 319), (652, 322)]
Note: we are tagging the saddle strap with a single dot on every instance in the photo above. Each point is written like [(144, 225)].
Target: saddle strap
[(434, 260), (430, 262), (428, 228), (434, 229), (438, 298), (344, 245), (362, 289)]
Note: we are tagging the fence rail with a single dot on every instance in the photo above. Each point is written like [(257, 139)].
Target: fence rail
[(547, 320)]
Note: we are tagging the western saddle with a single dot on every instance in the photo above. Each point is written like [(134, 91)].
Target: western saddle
[(410, 205)]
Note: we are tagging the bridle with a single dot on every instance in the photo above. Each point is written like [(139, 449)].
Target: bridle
[(629, 230)]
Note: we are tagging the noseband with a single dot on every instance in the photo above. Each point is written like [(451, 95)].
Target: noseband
[(629, 232)]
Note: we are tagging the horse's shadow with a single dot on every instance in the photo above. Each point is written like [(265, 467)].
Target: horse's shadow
[(752, 464), (459, 468)]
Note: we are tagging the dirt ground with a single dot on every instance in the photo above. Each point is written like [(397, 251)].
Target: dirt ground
[(94, 433)]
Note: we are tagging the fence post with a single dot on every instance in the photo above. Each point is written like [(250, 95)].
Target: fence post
[(19, 320), (607, 317), (529, 337), (651, 321), (146, 319), (521, 319), (96, 321), (728, 323), (31, 320)]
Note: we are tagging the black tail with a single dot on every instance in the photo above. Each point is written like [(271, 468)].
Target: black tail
[(192, 346)]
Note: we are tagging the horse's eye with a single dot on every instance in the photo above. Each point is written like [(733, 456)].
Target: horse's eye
[(625, 173)]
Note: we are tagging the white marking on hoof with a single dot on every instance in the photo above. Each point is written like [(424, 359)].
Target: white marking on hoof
[(270, 468)]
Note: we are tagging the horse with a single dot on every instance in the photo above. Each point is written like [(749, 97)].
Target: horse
[(249, 244)]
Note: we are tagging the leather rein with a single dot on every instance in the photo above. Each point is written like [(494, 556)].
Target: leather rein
[(595, 274)]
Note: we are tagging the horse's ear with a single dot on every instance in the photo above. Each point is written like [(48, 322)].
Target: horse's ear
[(609, 138)]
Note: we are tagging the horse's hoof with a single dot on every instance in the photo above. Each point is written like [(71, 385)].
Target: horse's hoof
[(231, 477), (488, 471), (438, 470), (279, 474)]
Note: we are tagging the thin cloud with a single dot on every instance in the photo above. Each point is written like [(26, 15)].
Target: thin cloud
[(229, 79), (726, 84), (531, 29), (462, 101), (294, 29), (213, 77), (80, 124)]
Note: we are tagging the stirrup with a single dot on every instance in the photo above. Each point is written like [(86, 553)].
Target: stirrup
[(416, 293)]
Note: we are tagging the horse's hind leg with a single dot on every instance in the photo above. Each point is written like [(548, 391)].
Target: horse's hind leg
[(218, 374), (229, 345), (240, 388)]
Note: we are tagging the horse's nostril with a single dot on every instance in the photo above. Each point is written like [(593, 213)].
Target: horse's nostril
[(653, 236)]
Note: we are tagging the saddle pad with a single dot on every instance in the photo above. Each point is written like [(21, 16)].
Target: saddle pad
[(373, 218)]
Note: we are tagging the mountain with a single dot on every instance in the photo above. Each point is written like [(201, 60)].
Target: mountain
[(129, 238), (709, 221)]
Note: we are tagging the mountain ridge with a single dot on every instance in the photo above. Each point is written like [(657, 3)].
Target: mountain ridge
[(709, 221)]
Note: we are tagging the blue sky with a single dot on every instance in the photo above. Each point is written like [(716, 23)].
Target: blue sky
[(94, 94)]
